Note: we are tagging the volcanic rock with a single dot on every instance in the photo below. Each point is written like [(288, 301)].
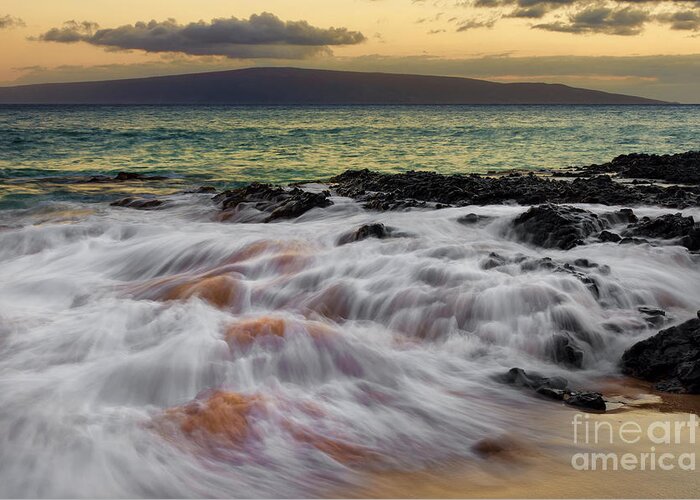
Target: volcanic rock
[(556, 226), (138, 203), (276, 202), (671, 359), (365, 231)]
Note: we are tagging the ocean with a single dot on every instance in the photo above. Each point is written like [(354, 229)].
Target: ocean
[(165, 353), (229, 145)]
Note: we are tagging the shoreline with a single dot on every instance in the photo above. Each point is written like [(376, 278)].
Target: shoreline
[(544, 469), (302, 343)]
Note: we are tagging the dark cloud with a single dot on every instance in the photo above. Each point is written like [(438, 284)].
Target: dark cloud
[(7, 22), (261, 36), (534, 12), (626, 21), (471, 24), (617, 17), (682, 20), (662, 2), (70, 32)]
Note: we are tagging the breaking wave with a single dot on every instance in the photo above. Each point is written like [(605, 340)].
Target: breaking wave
[(163, 354)]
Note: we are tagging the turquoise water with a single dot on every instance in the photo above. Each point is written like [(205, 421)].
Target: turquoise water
[(284, 144)]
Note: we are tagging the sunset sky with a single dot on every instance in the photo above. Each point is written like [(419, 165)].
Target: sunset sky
[(649, 48)]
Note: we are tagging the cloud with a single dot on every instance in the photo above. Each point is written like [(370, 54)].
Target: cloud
[(7, 22), (260, 36), (173, 65), (70, 32), (474, 24), (614, 17), (534, 12), (682, 20), (626, 21)]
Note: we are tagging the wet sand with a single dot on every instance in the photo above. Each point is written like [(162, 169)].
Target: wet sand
[(544, 469)]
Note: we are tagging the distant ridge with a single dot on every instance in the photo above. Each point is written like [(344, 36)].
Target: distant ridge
[(287, 86)]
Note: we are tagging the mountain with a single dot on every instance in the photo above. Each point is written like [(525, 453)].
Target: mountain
[(279, 86)]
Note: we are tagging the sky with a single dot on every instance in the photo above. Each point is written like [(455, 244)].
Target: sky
[(643, 47)]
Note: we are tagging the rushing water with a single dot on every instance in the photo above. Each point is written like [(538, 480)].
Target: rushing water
[(160, 353)]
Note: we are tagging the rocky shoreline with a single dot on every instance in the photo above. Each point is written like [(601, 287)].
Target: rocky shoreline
[(670, 359), (592, 184)]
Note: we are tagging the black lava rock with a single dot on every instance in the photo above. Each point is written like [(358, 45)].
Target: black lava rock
[(526, 264), (680, 168), (556, 226), (275, 201), (365, 231), (670, 358), (565, 351), (587, 401), (681, 230), (519, 378), (607, 236), (126, 176), (470, 219), (380, 191), (624, 215), (555, 388), (138, 203)]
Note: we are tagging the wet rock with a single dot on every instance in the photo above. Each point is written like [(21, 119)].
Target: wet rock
[(608, 237), (670, 358), (550, 393), (133, 176), (492, 261), (586, 279), (138, 203), (470, 219), (585, 263), (680, 168), (495, 260), (556, 226), (651, 311), (519, 378), (653, 316), (276, 202), (565, 351), (633, 241), (622, 216), (554, 388), (545, 263), (680, 230), (587, 400), (298, 203), (126, 176), (379, 191), (666, 226), (365, 231), (691, 241)]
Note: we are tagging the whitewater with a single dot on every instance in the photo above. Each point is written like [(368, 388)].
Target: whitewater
[(164, 353)]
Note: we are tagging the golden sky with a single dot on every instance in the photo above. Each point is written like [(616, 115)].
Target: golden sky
[(643, 47)]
